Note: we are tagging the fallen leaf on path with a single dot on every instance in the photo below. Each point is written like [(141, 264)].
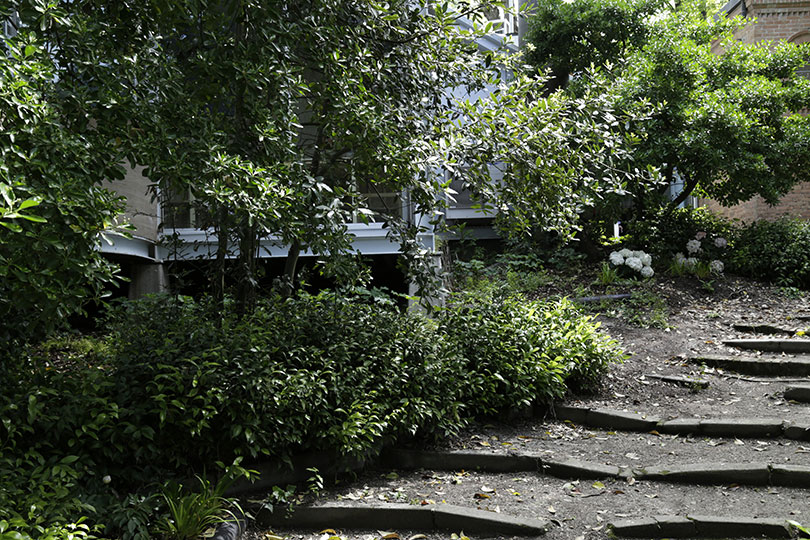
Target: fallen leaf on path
[(487, 489), (386, 535), (552, 510)]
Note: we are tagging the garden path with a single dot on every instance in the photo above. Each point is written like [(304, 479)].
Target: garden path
[(749, 458)]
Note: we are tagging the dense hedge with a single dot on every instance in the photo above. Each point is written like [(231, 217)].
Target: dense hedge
[(777, 251), (772, 251), (176, 388), (665, 233)]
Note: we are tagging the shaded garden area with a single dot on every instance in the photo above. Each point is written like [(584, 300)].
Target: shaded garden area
[(278, 122)]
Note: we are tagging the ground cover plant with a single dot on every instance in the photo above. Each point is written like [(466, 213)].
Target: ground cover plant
[(175, 389)]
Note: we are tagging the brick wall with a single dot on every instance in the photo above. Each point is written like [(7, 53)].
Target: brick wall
[(795, 204)]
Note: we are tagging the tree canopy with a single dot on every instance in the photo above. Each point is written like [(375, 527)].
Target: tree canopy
[(567, 37), (729, 124), (52, 164)]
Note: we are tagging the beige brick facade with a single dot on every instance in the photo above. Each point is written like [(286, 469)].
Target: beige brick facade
[(784, 20)]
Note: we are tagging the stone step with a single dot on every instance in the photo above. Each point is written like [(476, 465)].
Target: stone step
[(443, 517), (688, 382), (791, 346), (697, 526), (787, 367), (705, 473), (798, 392), (713, 427), (762, 329)]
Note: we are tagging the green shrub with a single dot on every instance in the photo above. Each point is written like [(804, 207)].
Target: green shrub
[(777, 251), (176, 388), (509, 274), (309, 373), (665, 234), (520, 352)]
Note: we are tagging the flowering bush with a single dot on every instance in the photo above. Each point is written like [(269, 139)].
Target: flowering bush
[(637, 261), (703, 256)]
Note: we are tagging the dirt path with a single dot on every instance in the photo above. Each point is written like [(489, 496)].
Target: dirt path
[(581, 509)]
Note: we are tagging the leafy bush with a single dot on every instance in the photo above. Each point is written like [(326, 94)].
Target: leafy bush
[(509, 274), (310, 373), (665, 234), (777, 251), (520, 352), (177, 388)]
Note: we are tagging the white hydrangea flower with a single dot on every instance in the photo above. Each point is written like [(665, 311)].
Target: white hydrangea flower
[(693, 246), (634, 263), (647, 272), (626, 253), (680, 258), (717, 266), (691, 263), (646, 259), (720, 242), (638, 254), (616, 258)]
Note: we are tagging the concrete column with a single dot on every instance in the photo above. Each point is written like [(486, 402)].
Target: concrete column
[(148, 279)]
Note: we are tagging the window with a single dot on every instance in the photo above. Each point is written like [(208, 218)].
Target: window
[(382, 199), (181, 211)]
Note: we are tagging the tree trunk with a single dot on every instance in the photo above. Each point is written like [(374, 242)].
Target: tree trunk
[(221, 229), (294, 252), (246, 288), (688, 188), (290, 266)]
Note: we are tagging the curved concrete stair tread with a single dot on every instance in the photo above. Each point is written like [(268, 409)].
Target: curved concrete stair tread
[(792, 346), (741, 427), (704, 526), (767, 329), (759, 473), (757, 365)]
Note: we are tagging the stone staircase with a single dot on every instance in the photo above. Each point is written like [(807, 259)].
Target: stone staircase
[(593, 472)]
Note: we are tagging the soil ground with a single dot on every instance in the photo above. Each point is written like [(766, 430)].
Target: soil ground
[(689, 320)]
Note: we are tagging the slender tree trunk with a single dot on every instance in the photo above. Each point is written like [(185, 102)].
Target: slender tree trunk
[(290, 266), (222, 232), (294, 253), (246, 290), (688, 188)]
